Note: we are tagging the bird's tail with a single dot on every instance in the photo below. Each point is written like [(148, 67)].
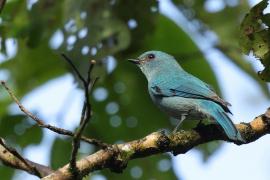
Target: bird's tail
[(226, 123)]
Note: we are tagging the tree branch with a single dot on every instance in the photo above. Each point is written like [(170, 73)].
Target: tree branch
[(116, 157), (42, 124), (12, 158), (13, 151)]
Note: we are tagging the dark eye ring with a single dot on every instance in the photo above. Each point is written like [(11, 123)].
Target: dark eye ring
[(151, 56)]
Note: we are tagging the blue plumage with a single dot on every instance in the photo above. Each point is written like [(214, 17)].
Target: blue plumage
[(181, 95)]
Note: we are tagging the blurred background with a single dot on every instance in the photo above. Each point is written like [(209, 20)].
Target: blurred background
[(202, 35)]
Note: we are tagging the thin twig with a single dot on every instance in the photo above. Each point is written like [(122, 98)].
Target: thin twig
[(74, 68), (92, 83), (55, 129), (92, 64), (16, 154), (89, 88), (85, 117)]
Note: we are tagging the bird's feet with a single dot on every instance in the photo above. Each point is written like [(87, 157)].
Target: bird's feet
[(183, 117)]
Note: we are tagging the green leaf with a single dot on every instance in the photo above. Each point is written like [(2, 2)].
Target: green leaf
[(255, 37), (6, 172), (31, 135), (14, 18), (5, 101), (17, 129), (60, 154), (41, 27)]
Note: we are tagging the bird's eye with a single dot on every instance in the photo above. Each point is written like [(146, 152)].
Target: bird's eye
[(151, 56)]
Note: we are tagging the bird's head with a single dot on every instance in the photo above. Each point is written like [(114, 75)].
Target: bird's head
[(151, 62)]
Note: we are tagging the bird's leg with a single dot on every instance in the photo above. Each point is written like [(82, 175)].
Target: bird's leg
[(183, 117)]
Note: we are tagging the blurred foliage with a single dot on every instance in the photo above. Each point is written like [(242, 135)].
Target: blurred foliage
[(225, 24), (111, 31), (255, 36), (58, 146), (19, 132), (2, 4)]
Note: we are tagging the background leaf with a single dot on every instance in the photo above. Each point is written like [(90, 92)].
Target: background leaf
[(61, 150), (255, 37), (224, 23)]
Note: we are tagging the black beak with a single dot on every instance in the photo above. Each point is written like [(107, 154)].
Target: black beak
[(134, 61)]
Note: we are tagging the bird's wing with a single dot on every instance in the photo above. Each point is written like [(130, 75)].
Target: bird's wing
[(186, 86)]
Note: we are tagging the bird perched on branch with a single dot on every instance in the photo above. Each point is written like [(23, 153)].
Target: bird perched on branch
[(182, 95)]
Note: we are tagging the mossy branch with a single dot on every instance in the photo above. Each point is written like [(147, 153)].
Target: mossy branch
[(117, 156)]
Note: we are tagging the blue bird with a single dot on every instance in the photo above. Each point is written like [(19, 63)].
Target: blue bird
[(182, 95)]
